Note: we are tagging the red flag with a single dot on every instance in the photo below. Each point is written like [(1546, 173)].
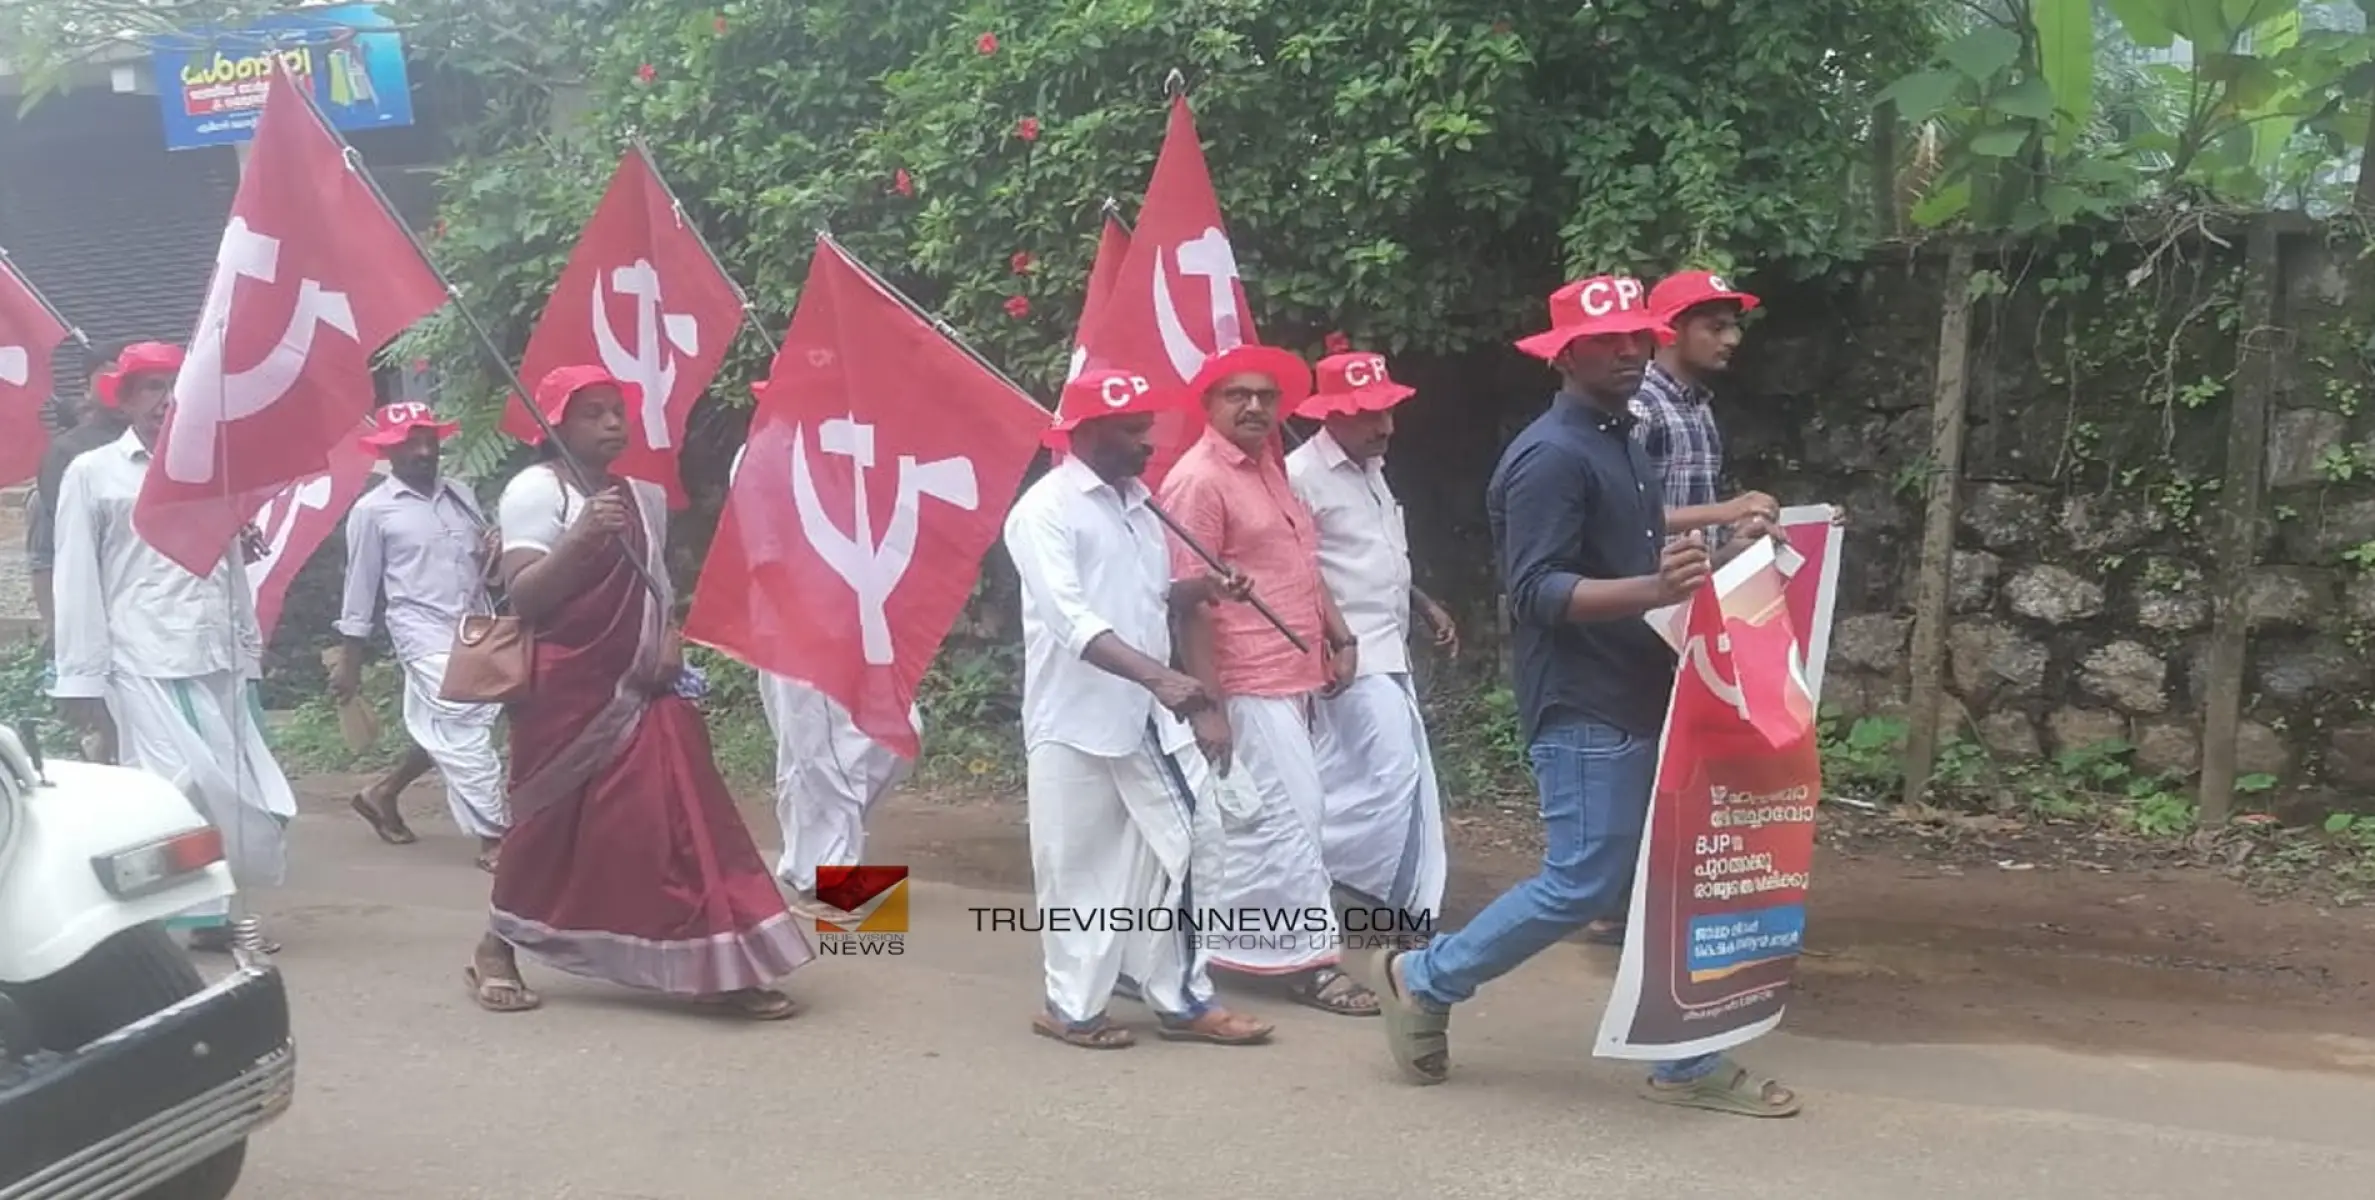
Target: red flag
[(296, 522), (312, 278), (1177, 298), (1113, 248), (28, 335), (875, 478), (642, 298)]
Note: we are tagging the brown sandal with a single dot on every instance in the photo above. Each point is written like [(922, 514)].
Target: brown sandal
[(1217, 1027), (388, 825), (1098, 1034)]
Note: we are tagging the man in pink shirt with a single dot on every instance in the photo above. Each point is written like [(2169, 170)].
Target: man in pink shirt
[(1266, 900)]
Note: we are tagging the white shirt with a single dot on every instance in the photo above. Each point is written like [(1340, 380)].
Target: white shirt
[(1093, 561), (538, 506), (123, 608), (424, 552), (1364, 551)]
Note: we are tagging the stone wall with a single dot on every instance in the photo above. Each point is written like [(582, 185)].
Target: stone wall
[(2101, 375)]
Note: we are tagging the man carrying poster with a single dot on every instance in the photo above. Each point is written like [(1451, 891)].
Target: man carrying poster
[(1579, 527), (1723, 871)]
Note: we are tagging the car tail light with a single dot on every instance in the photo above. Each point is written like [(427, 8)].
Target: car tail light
[(128, 873)]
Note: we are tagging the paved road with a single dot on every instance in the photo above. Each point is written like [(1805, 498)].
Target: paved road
[(916, 1077)]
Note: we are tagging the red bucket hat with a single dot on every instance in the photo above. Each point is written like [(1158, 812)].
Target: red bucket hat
[(395, 422), (1284, 367), (139, 358), (1105, 393), (562, 384), (1589, 307), (1353, 383), (1689, 289)]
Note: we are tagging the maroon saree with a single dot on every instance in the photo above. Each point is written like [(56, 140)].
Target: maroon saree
[(626, 860)]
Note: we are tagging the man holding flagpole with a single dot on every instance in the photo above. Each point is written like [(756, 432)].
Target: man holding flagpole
[(1114, 778), (159, 662), (1230, 493)]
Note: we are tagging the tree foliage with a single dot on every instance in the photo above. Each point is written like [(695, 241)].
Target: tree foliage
[(1418, 174)]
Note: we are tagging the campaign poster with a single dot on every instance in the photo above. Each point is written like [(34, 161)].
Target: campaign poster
[(1719, 907), (211, 82)]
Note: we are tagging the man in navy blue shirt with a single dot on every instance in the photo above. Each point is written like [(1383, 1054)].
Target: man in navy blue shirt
[(1579, 525)]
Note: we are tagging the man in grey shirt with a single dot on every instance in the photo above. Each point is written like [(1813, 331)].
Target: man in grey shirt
[(420, 541), (79, 427)]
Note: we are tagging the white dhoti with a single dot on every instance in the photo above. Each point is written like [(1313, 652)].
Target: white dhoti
[(460, 738), (1111, 847), (828, 773), (207, 733), (1263, 892), (1383, 834)]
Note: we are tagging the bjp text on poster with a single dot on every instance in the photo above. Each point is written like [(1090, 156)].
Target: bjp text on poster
[(1719, 905)]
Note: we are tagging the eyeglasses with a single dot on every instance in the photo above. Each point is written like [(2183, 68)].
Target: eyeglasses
[(1267, 397)]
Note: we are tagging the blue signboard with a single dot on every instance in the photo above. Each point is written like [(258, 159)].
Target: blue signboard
[(211, 83)]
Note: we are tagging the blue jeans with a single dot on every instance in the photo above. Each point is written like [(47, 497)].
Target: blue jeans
[(1595, 782)]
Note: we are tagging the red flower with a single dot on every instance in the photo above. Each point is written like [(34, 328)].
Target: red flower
[(902, 182), (437, 231), (719, 24), (1337, 343), (1022, 262), (1018, 307), (1027, 129), (420, 366), (987, 43), (646, 73)]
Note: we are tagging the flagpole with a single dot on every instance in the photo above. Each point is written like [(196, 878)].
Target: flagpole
[(577, 470), (945, 330), (750, 316), (72, 330)]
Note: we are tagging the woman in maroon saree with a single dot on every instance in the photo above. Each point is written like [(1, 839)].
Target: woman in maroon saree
[(626, 860)]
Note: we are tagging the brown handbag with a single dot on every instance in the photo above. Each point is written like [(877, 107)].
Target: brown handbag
[(491, 661)]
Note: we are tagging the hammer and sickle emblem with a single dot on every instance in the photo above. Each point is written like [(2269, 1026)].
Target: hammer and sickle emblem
[(652, 365), (1723, 689), (873, 569), (208, 395), (1208, 255), (279, 521)]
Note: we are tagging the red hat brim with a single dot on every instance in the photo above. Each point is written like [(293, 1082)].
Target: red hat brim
[(562, 384), (1548, 344), (382, 439), (1284, 367), (147, 358), (1743, 299), (1374, 398)]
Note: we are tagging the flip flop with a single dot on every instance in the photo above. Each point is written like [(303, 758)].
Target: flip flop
[(1100, 1034), (1202, 1029), (757, 1004), (391, 830), (1729, 1088), (1418, 1036), (486, 861), (491, 994)]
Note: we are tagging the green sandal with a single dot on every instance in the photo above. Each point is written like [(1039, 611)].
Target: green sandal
[(1418, 1036), (1729, 1088)]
